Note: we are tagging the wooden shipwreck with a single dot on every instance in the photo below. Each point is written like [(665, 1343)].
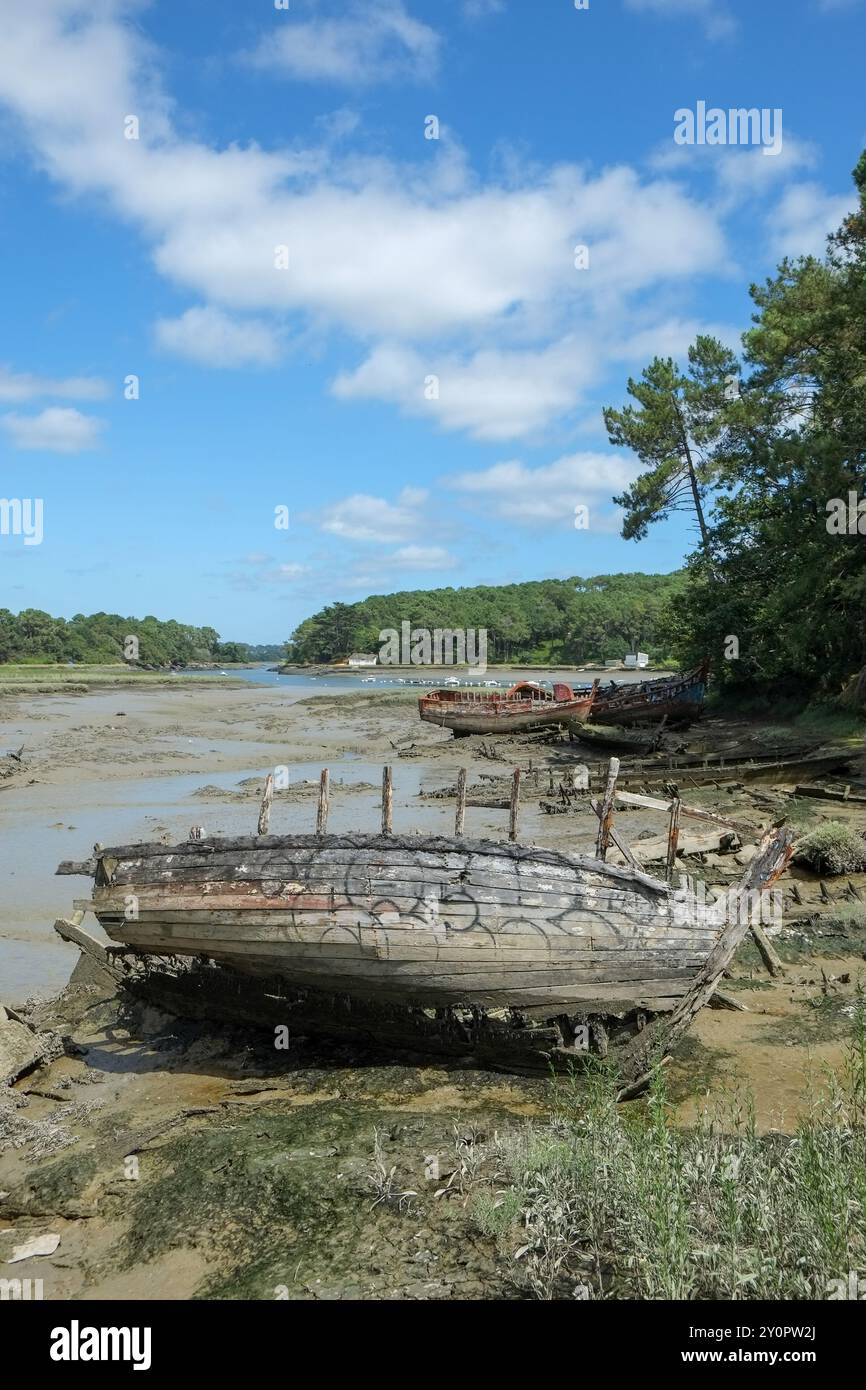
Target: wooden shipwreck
[(526, 705), (677, 699), (516, 955)]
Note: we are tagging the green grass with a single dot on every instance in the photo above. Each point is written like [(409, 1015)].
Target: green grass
[(612, 1201)]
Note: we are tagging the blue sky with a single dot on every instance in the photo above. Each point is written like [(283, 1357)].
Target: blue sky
[(309, 385)]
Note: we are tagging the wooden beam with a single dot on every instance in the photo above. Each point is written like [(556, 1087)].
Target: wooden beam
[(655, 803), (768, 954), (605, 821)]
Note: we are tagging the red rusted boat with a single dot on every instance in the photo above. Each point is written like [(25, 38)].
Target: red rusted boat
[(526, 705)]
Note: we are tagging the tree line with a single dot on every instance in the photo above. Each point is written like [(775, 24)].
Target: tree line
[(103, 638), (570, 621)]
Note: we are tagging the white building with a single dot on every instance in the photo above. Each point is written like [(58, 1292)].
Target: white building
[(362, 659)]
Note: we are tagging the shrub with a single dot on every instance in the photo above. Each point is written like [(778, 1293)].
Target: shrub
[(833, 848)]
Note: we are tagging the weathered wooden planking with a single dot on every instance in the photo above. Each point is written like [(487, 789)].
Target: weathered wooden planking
[(423, 851), (587, 931)]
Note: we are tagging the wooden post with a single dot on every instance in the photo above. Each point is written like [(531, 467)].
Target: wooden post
[(387, 801), (460, 815), (673, 837), (605, 820), (323, 803), (265, 812), (515, 805)]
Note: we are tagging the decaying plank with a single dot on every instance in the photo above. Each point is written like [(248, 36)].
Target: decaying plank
[(768, 954), (70, 929), (655, 803)]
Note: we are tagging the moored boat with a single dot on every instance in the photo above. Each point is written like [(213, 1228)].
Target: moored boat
[(677, 699), (526, 705)]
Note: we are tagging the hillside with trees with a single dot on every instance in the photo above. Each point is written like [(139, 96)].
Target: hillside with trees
[(548, 620), (32, 636)]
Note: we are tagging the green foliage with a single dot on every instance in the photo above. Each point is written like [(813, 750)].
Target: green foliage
[(770, 573), (543, 621), (675, 433), (833, 848), (35, 637)]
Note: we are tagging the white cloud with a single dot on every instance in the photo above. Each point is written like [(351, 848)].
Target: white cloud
[(493, 394), (26, 386), (372, 43), (418, 261), (365, 518), (480, 9), (58, 430), (420, 557), (215, 339), (549, 494), (717, 19), (803, 219)]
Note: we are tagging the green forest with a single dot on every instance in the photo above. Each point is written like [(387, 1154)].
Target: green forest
[(35, 637), (546, 620)]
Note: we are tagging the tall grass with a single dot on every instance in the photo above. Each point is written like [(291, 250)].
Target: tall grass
[(607, 1201)]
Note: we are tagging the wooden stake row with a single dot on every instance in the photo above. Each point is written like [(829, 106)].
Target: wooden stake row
[(323, 804), (604, 810)]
